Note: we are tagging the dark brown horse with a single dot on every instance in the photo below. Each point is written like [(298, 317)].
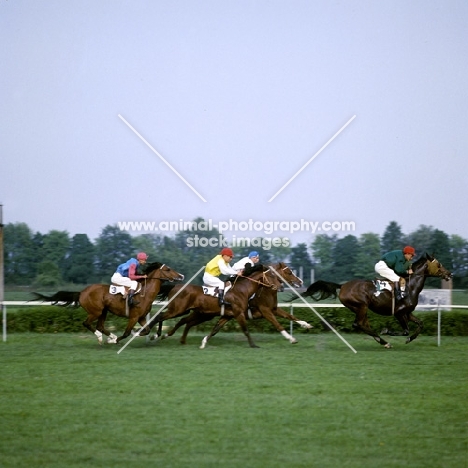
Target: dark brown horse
[(263, 305), (184, 298), (98, 301), (360, 295)]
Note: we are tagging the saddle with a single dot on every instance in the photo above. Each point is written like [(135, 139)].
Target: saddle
[(117, 289)]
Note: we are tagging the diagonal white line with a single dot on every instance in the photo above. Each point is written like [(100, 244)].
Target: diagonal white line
[(312, 158), (161, 158), (160, 310), (316, 313)]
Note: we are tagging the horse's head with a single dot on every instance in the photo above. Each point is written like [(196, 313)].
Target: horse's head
[(287, 275), (435, 268), (162, 271)]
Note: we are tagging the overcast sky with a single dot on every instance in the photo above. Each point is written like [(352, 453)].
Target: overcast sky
[(237, 96)]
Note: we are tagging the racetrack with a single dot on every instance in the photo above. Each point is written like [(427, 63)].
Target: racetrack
[(66, 401)]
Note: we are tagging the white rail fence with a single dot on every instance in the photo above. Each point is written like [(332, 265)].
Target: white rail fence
[(439, 307)]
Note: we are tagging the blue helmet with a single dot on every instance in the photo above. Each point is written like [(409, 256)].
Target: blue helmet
[(254, 253)]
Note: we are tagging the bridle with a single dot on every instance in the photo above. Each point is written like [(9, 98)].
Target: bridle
[(261, 283)]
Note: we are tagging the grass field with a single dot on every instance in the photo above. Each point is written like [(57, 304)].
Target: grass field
[(66, 401)]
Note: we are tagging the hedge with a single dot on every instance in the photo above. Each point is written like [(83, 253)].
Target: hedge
[(55, 319)]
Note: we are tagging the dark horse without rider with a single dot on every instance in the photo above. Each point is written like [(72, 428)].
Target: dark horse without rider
[(360, 295)]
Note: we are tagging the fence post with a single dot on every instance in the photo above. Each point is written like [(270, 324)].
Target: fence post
[(291, 323), (4, 321), (438, 321)]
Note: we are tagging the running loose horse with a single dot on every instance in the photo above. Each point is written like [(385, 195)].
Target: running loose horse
[(263, 305), (98, 301), (360, 295), (183, 298)]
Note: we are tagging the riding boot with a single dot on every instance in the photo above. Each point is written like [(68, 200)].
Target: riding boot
[(398, 293), (221, 300), (131, 302)]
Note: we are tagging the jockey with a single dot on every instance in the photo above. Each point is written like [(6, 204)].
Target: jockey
[(251, 259), (126, 275), (395, 263), (217, 266)]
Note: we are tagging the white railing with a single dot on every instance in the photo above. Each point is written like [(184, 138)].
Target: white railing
[(432, 307)]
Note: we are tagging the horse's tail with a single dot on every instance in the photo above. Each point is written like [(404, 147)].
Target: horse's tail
[(62, 298), (163, 294), (320, 290)]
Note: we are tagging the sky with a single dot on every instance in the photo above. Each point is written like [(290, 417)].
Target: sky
[(270, 111)]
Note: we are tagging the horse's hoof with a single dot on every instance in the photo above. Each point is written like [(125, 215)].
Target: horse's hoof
[(384, 331), (388, 346), (408, 340), (294, 341)]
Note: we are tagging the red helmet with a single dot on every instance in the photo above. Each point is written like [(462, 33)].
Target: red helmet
[(142, 256), (409, 250), (227, 252)]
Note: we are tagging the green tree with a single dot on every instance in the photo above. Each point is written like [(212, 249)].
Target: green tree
[(393, 238), (113, 247), (300, 258), (19, 254), (344, 258), (80, 263), (55, 247), (322, 249), (459, 251), (421, 239), (48, 274), (368, 255)]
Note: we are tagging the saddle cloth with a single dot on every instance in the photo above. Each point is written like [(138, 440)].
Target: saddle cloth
[(382, 285), (116, 289), (210, 290)]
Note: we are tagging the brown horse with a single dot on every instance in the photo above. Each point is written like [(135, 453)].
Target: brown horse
[(360, 295), (184, 298), (98, 301), (263, 305)]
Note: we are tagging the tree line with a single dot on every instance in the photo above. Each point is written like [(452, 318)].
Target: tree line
[(55, 258)]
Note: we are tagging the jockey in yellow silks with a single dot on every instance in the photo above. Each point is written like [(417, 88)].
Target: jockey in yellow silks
[(217, 266)]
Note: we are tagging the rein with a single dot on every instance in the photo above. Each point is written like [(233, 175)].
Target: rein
[(261, 283)]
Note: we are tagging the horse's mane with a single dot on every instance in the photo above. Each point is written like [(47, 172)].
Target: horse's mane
[(164, 291), (149, 267), (421, 260)]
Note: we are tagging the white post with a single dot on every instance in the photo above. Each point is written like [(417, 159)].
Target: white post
[(4, 322), (291, 322), (438, 321)]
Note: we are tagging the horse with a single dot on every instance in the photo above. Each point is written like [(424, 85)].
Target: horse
[(360, 295), (263, 305), (97, 301), (183, 298)]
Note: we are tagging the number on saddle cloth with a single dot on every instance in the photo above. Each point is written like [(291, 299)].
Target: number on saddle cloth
[(382, 285), (116, 289), (210, 290)]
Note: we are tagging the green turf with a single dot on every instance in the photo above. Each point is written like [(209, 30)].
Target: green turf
[(68, 402)]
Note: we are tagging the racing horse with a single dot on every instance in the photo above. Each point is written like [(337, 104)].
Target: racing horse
[(263, 305), (360, 295), (184, 298), (97, 301)]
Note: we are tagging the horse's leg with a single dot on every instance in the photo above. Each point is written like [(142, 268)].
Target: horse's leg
[(403, 321), (362, 322), (268, 315), (420, 328), (112, 339), (215, 330), (88, 323), (283, 314), (128, 330), (196, 320)]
